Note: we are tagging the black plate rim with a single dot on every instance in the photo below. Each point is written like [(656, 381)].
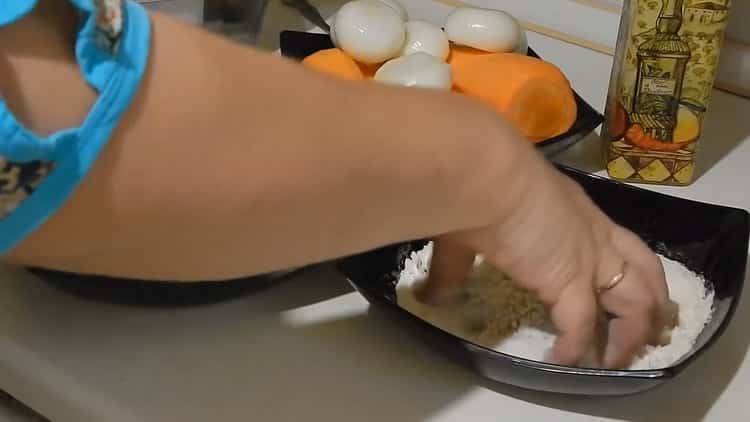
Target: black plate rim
[(631, 187)]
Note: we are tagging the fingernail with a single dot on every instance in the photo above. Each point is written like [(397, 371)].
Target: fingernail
[(559, 355), (665, 337), (674, 314)]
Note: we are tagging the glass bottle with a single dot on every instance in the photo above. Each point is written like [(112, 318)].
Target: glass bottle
[(664, 70)]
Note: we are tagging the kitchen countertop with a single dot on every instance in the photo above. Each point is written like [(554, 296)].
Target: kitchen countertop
[(309, 348)]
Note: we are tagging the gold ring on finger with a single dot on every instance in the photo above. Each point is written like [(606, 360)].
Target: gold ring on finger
[(614, 281)]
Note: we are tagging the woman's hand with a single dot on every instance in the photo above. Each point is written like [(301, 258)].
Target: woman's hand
[(557, 243)]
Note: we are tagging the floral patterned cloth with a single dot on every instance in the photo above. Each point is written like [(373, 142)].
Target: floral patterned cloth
[(19, 180)]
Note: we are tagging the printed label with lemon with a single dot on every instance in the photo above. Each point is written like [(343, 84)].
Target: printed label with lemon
[(665, 68)]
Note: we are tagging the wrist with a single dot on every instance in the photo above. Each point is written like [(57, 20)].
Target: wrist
[(504, 174)]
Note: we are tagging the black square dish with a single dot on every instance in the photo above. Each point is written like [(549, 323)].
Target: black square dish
[(298, 45), (710, 240)]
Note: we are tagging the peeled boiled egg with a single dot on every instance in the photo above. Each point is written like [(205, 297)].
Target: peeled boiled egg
[(417, 70), (484, 29), (398, 7), (369, 30), (425, 37), (332, 33)]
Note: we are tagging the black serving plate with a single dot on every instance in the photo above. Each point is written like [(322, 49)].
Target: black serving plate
[(709, 239), (146, 293), (298, 45)]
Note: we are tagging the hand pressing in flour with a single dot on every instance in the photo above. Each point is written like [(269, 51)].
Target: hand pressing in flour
[(557, 243)]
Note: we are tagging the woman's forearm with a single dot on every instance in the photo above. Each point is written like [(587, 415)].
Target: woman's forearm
[(231, 163)]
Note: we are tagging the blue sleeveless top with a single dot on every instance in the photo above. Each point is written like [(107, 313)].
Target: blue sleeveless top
[(37, 174)]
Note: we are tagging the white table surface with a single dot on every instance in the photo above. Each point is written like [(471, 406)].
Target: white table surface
[(308, 350)]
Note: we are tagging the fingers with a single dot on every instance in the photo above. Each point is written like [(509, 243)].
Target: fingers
[(627, 336), (637, 318), (638, 254), (451, 262), (575, 316), (639, 301), (626, 339), (669, 318)]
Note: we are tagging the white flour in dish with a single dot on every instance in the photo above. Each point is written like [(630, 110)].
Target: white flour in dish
[(502, 316)]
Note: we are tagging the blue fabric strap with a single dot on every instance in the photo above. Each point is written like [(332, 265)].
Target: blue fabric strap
[(12, 10), (115, 74)]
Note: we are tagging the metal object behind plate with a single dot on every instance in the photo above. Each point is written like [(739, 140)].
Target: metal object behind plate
[(238, 19), (191, 11), (309, 12)]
